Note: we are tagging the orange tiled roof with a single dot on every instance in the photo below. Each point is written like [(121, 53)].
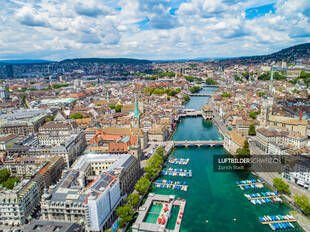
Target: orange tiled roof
[(118, 147)]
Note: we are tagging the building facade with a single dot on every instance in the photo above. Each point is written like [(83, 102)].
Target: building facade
[(89, 193)]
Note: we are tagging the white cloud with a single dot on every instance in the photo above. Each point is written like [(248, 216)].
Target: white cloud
[(146, 28), (29, 16)]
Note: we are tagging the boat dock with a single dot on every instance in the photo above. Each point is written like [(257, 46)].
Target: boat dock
[(177, 172), (278, 222), (276, 219), (179, 161), (248, 184), (263, 198), (169, 184)]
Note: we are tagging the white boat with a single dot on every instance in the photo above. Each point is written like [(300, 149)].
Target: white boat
[(259, 202), (291, 225)]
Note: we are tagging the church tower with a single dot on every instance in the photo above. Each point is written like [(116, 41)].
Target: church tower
[(266, 111), (108, 99), (136, 116)]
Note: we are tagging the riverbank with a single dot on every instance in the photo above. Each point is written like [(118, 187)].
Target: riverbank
[(301, 219), (213, 201)]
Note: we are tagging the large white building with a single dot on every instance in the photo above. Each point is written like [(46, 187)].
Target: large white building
[(89, 193)]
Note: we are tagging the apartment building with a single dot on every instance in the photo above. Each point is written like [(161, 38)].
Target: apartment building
[(18, 204), (89, 193)]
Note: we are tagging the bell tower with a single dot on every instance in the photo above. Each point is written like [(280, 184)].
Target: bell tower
[(136, 116)]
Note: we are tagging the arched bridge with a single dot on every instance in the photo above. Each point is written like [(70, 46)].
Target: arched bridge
[(201, 94), (198, 143)]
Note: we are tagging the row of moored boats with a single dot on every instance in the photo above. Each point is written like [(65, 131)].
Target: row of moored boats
[(179, 161), (278, 222)]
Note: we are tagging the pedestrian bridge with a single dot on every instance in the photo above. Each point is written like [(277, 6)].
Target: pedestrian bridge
[(186, 143), (194, 113), (199, 143), (211, 85), (201, 94)]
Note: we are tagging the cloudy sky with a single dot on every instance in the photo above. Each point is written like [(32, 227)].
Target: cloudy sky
[(151, 29)]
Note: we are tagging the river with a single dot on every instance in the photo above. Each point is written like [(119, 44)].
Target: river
[(214, 196)]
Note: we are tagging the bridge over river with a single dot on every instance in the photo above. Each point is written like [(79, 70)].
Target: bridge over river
[(201, 94), (197, 143)]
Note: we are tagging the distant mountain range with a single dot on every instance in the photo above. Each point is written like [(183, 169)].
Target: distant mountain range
[(80, 60), (288, 54), (107, 60)]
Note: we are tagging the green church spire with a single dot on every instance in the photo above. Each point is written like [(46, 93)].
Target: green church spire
[(137, 114), (108, 99)]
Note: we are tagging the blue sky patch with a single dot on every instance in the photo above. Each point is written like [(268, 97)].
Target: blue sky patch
[(144, 24), (255, 12), (172, 11)]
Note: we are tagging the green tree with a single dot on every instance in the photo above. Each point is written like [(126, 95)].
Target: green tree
[(244, 152), (253, 114), (118, 108), (160, 151), (24, 99), (281, 186), (186, 98), (168, 74), (133, 200), (194, 89), (153, 166), (193, 65), (210, 81), (246, 75), (306, 77), (237, 78), (49, 119), (252, 130), (246, 144), (4, 175), (112, 107), (76, 115), (225, 94), (260, 94), (125, 213), (264, 76), (57, 86), (142, 185), (10, 182), (189, 78), (303, 202)]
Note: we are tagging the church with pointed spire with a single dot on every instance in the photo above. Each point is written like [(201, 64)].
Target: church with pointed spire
[(136, 116)]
